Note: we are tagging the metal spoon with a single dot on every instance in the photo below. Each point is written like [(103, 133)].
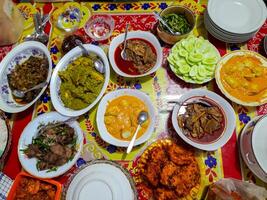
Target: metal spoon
[(21, 94), (98, 63), (123, 53), (142, 117), (165, 24)]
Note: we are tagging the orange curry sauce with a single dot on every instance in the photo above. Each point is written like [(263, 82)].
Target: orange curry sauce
[(245, 78)]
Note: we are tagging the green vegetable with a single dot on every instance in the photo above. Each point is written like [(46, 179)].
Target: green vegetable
[(178, 23), (194, 59)]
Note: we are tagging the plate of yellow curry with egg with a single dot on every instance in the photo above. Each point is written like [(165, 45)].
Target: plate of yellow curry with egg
[(242, 77), (117, 117), (76, 86)]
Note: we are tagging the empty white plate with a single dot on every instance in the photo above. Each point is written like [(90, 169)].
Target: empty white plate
[(102, 180), (259, 138), (237, 16)]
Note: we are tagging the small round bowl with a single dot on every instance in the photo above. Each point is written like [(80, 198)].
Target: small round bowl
[(99, 27), (31, 131), (136, 35), (56, 81), (170, 38), (18, 55), (105, 135), (227, 111)]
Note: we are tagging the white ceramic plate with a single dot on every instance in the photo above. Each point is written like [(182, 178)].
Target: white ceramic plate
[(5, 137), (101, 180), (105, 135), (30, 132), (223, 60), (16, 56), (259, 139), (238, 16), (246, 150), (228, 112), (135, 34), (56, 81)]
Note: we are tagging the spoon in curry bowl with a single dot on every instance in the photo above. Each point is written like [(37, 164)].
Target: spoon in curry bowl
[(98, 63), (123, 52), (142, 117), (21, 93)]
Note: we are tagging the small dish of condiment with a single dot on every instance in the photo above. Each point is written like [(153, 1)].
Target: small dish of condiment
[(99, 27)]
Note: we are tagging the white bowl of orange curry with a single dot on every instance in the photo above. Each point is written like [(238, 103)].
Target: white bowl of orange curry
[(143, 54), (117, 117)]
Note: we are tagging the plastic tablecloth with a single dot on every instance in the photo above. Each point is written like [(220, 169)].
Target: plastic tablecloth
[(161, 85)]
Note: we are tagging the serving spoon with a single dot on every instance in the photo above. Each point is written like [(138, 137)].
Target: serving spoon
[(142, 117), (123, 53), (165, 24), (98, 63), (21, 93)]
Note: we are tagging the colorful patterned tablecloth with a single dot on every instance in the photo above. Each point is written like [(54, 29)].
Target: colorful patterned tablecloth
[(159, 86)]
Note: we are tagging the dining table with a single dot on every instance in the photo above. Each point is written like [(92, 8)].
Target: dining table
[(225, 162)]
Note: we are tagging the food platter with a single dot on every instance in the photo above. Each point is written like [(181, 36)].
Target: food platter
[(31, 131), (56, 81), (5, 137), (154, 162), (241, 97), (18, 56), (227, 112), (109, 177)]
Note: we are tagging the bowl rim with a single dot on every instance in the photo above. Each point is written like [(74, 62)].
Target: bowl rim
[(185, 8), (6, 61), (116, 41), (224, 59), (46, 118), (74, 53), (103, 132), (229, 115)]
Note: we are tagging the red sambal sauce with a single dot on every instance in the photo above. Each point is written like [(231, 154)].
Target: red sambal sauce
[(126, 66)]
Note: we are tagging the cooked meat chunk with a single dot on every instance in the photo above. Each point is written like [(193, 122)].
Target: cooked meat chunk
[(165, 194), (167, 173), (151, 173), (180, 156)]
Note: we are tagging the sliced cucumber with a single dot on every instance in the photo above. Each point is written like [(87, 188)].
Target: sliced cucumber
[(195, 57), (184, 69)]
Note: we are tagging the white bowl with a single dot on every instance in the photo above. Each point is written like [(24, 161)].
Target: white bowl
[(56, 81), (16, 56), (105, 135), (135, 34), (30, 131), (229, 115), (238, 16)]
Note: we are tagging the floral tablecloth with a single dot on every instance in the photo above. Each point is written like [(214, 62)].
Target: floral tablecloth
[(159, 86)]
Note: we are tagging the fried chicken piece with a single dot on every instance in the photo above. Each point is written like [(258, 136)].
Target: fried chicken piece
[(167, 173), (179, 155), (165, 194), (152, 173), (158, 155)]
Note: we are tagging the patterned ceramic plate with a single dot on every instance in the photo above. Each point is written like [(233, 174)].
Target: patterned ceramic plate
[(146, 190), (109, 177), (5, 137)]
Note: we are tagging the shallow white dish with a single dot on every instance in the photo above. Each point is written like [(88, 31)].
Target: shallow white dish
[(56, 81), (238, 16), (259, 138), (228, 113), (105, 135), (16, 56), (135, 34), (101, 180), (30, 132)]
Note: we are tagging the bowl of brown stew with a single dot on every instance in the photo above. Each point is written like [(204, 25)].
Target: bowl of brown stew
[(143, 54), (27, 65), (203, 119)]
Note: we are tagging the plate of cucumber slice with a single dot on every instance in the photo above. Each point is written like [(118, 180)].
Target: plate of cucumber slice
[(193, 60)]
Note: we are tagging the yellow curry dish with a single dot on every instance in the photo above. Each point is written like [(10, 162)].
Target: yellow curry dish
[(80, 83), (121, 117), (243, 78)]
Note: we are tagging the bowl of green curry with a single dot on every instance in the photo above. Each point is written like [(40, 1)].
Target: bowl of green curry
[(76, 86), (180, 19)]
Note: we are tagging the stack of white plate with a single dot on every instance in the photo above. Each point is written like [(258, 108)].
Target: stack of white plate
[(234, 21)]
